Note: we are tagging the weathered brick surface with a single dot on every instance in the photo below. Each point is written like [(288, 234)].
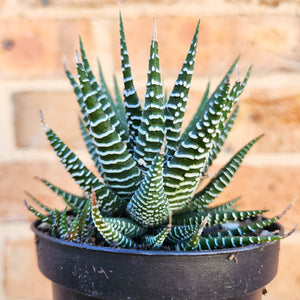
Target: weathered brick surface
[(270, 43), (277, 117), (60, 110), (35, 48), (24, 273)]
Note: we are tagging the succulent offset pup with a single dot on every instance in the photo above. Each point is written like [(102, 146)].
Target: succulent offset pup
[(150, 167)]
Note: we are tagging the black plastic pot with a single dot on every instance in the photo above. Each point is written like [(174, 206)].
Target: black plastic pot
[(89, 272)]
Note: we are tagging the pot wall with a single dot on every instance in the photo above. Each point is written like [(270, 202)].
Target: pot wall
[(107, 273)]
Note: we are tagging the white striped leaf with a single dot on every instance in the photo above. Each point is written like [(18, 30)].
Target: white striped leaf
[(176, 105), (149, 204), (107, 231), (222, 179), (151, 131), (118, 168), (131, 101)]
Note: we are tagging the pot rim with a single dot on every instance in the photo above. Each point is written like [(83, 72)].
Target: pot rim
[(66, 243)]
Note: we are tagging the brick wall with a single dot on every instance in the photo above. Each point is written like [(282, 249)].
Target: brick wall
[(36, 34)]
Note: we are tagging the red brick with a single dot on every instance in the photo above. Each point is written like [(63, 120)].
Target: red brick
[(32, 48), (21, 271), (277, 117), (60, 110), (270, 43)]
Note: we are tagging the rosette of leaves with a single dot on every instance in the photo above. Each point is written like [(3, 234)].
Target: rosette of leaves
[(149, 169)]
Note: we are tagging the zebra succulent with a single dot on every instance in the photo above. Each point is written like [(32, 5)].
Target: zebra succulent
[(150, 168)]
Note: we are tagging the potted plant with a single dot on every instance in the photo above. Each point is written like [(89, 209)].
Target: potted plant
[(143, 231)]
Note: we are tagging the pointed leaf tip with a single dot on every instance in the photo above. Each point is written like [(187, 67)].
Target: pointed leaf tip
[(77, 57), (154, 37), (45, 126), (27, 204), (238, 73)]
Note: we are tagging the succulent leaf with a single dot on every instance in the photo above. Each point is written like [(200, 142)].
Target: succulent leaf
[(109, 233), (222, 179), (131, 101), (223, 136), (44, 218), (90, 146), (184, 170), (102, 96), (103, 85), (76, 203), (176, 106), (118, 168), (192, 243), (120, 111), (63, 224), (79, 96), (84, 177), (156, 241), (152, 130), (225, 206), (234, 241), (215, 218), (198, 115), (149, 204), (126, 226)]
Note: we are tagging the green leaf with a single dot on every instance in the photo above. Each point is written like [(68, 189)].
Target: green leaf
[(44, 218), (104, 87), (252, 227), (120, 110), (101, 94), (222, 179), (176, 106), (111, 204), (234, 241), (151, 130), (223, 136), (222, 207), (63, 224), (126, 227), (198, 115), (192, 243), (107, 231), (90, 146), (79, 95), (215, 218), (184, 170), (149, 204), (84, 221), (131, 100), (75, 202), (118, 168)]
